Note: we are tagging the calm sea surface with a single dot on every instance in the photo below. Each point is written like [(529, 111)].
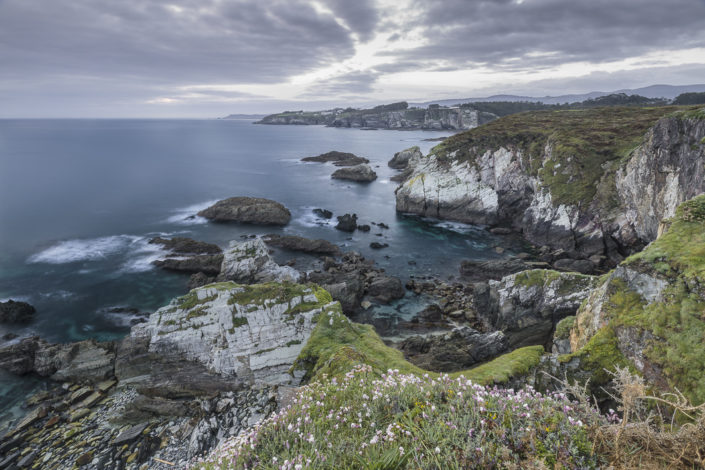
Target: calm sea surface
[(79, 200)]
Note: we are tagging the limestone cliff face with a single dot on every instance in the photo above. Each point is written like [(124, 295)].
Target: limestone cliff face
[(436, 118), (564, 183), (253, 333)]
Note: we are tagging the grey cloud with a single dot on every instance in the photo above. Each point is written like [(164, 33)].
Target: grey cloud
[(360, 15), (208, 41), (350, 85), (494, 31)]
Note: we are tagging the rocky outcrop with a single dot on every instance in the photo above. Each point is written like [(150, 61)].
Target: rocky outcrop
[(200, 369), (304, 245), (562, 181), (337, 158), (647, 313), (528, 305), (355, 278), (188, 246), (16, 312), (402, 159), (250, 262), (347, 222), (359, 173), (390, 116), (456, 350), (248, 210)]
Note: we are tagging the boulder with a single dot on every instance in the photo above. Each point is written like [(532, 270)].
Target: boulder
[(347, 222), (250, 262), (305, 245), (16, 312), (362, 173), (337, 158), (384, 289), (248, 210), (401, 159), (378, 246)]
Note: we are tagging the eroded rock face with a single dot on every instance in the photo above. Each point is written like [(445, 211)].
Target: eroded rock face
[(362, 173), (500, 186), (252, 333), (402, 159), (527, 306), (249, 210), (250, 262)]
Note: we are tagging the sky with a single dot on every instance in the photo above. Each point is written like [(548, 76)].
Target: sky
[(209, 58)]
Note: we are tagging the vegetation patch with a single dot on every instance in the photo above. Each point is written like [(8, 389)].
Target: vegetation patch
[(396, 421), (563, 327), (191, 299), (599, 356)]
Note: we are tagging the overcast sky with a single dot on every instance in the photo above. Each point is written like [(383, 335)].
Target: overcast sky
[(205, 58)]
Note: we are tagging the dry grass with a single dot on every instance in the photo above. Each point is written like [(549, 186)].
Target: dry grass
[(656, 432)]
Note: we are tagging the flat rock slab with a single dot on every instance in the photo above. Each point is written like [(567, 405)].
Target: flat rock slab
[(105, 385), (130, 434), (90, 400), (32, 416)]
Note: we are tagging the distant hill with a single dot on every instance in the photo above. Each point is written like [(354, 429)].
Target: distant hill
[(253, 117), (653, 91)]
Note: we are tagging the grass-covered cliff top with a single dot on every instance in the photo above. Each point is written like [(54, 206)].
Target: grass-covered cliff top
[(671, 326), (337, 345), (581, 142)]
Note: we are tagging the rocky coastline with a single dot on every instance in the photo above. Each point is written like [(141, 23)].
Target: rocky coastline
[(613, 279)]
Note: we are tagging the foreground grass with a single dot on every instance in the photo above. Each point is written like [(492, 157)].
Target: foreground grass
[(410, 421)]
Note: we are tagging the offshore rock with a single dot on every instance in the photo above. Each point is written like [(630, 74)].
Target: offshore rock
[(183, 245), (249, 210), (16, 312), (347, 222), (250, 262), (337, 158), (360, 173), (209, 265)]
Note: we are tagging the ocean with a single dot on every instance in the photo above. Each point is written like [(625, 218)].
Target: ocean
[(80, 199)]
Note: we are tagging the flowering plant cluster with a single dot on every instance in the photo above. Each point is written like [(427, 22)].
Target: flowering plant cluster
[(409, 421)]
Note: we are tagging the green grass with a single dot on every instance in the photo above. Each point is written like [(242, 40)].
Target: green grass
[(565, 283), (563, 327), (337, 345), (586, 144)]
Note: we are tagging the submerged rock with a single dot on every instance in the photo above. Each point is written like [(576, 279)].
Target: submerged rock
[(337, 158), (362, 173), (16, 312), (209, 265), (305, 245), (323, 213), (249, 210)]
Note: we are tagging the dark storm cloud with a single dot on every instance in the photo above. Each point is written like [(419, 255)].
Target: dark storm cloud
[(498, 32), (178, 41)]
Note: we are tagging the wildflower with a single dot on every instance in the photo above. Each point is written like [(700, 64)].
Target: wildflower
[(401, 450), (437, 450)]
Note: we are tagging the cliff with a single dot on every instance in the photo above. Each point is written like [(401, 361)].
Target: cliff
[(647, 314), (593, 182), (393, 116)]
